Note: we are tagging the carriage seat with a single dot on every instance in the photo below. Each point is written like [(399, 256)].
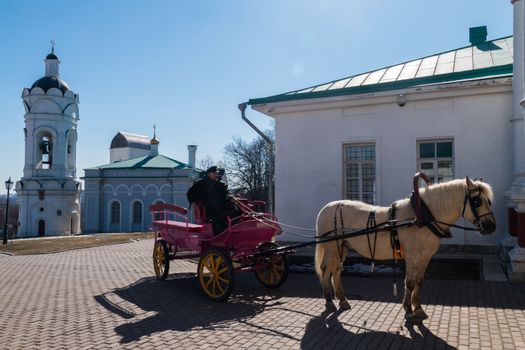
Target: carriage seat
[(161, 217), (180, 225)]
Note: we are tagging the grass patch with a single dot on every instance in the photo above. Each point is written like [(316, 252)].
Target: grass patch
[(61, 244)]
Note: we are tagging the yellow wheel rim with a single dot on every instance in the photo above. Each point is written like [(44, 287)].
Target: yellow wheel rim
[(159, 258), (272, 273), (214, 275)]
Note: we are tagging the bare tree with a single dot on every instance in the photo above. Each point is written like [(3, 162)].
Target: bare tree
[(247, 166), (205, 163), (208, 161)]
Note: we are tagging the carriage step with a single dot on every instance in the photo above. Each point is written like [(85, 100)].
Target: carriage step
[(186, 254)]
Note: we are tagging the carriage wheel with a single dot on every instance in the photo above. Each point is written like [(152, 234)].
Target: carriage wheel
[(161, 260), (216, 275), (274, 270)]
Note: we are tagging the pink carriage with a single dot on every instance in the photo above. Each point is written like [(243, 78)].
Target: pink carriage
[(245, 245)]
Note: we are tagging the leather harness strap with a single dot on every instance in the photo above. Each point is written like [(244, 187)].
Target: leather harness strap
[(394, 235), (423, 214), (371, 224)]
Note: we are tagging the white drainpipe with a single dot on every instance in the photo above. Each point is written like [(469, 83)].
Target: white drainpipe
[(269, 142)]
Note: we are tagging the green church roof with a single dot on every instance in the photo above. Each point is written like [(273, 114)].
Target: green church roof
[(146, 162), (484, 60)]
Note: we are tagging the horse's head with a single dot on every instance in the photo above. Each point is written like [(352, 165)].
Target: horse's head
[(476, 207)]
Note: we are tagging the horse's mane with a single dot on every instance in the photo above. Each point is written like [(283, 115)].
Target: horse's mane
[(450, 193)]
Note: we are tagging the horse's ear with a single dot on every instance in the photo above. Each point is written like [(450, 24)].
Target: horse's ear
[(469, 183)]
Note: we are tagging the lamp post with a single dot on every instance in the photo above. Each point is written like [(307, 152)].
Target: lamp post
[(8, 185)]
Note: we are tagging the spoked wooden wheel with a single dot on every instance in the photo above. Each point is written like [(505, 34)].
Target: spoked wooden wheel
[(161, 260), (216, 275), (272, 270)]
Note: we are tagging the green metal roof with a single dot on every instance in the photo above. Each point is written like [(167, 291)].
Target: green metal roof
[(488, 59), (147, 162)]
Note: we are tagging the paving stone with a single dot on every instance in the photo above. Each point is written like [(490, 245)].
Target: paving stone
[(107, 298)]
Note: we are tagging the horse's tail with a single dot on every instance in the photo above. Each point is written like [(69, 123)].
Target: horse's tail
[(320, 248), (319, 257)]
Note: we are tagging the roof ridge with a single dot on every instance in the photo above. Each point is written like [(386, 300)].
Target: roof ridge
[(139, 162)]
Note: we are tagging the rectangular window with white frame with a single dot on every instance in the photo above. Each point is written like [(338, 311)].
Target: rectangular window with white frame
[(360, 172), (436, 159)]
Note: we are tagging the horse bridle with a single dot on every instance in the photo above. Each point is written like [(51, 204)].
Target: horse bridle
[(475, 202)]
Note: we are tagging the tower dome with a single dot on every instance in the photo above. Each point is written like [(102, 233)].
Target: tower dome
[(52, 77), (46, 83)]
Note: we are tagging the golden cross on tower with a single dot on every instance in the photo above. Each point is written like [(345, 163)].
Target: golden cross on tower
[(53, 45)]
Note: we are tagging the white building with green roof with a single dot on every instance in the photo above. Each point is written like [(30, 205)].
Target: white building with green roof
[(118, 195), (364, 136)]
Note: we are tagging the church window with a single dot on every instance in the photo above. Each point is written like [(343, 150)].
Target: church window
[(436, 159), (137, 212), (115, 213)]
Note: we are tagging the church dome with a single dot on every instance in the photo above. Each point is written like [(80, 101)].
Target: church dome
[(47, 83), (125, 139), (52, 56)]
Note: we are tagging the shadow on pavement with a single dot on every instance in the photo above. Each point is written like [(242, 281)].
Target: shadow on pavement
[(326, 331), (497, 295), (179, 304), (176, 304)]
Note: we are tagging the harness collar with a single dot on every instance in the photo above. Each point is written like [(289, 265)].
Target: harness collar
[(424, 215)]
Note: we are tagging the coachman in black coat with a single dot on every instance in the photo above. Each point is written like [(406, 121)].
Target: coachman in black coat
[(216, 198)]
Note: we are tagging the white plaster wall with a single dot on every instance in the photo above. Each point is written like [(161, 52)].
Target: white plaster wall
[(66, 201), (309, 154)]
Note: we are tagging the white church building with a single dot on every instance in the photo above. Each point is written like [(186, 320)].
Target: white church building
[(118, 195), (48, 192)]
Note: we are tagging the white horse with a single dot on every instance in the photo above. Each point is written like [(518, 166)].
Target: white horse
[(447, 201)]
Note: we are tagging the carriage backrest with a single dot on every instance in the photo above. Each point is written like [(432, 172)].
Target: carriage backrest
[(161, 207)]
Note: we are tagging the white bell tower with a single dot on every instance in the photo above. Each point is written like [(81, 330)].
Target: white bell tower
[(48, 192)]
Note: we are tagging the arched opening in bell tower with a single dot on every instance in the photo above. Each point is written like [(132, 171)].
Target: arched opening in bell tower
[(74, 223), (71, 141), (45, 151)]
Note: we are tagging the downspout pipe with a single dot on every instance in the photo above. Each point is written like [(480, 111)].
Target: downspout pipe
[(242, 107)]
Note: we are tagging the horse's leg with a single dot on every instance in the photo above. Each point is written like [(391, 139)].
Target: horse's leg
[(338, 286), (420, 274), (410, 283), (407, 304), (326, 282)]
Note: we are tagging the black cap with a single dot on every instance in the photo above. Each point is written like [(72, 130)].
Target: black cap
[(211, 169)]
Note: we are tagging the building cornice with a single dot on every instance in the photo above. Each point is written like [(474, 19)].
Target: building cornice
[(427, 92)]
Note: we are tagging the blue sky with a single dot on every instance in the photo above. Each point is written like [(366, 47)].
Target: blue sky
[(186, 65)]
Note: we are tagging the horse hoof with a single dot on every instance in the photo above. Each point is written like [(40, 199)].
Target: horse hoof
[(344, 305), (419, 313), (330, 306)]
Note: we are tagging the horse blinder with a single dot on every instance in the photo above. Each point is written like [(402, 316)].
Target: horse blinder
[(475, 202)]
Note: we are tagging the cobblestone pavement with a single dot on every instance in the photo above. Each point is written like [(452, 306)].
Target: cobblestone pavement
[(106, 297)]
